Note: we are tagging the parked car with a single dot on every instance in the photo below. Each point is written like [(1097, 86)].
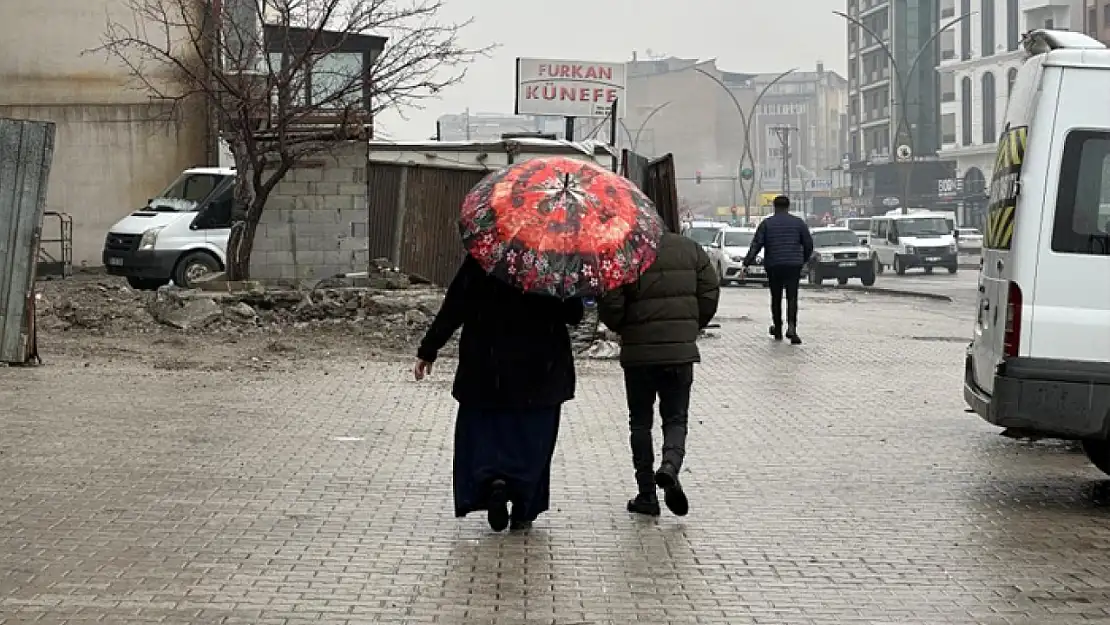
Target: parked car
[(838, 254), (727, 252), (968, 240), (702, 232)]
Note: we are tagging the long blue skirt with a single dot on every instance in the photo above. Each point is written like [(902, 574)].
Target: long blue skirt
[(515, 446)]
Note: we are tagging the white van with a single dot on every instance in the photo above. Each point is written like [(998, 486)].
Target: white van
[(179, 236), (917, 239), (1039, 361), (859, 225)]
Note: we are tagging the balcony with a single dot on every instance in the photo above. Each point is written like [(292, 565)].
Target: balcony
[(1033, 5)]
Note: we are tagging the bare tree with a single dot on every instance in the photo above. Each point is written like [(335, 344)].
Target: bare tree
[(285, 79)]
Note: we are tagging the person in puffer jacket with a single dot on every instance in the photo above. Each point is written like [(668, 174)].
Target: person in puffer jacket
[(787, 245)]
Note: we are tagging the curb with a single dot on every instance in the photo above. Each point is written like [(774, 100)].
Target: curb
[(876, 290)]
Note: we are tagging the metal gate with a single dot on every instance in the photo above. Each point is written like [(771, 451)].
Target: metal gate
[(656, 178), (26, 152)]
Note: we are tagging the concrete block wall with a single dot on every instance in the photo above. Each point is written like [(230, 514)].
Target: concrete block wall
[(315, 222)]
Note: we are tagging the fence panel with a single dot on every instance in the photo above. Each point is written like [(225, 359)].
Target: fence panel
[(26, 152), (430, 243)]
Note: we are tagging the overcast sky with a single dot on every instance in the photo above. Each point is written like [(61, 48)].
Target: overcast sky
[(743, 35)]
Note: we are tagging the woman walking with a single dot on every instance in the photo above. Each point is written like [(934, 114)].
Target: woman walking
[(516, 370), (540, 235)]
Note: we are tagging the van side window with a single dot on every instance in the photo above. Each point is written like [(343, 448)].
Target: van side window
[(1082, 221), (218, 212)]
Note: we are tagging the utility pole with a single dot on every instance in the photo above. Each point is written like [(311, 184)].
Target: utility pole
[(783, 133)]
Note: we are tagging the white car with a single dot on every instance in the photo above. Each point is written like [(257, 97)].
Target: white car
[(727, 252), (969, 240), (702, 232)]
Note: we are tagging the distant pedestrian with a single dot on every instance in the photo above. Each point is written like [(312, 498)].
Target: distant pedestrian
[(659, 318), (516, 370), (787, 245)]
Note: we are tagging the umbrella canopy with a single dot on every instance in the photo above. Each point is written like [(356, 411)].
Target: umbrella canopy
[(561, 227)]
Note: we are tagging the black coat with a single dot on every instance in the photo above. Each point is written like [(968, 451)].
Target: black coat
[(785, 239), (660, 315), (515, 350)]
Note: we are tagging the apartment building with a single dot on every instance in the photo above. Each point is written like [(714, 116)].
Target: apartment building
[(980, 56), (1096, 19), (902, 29)]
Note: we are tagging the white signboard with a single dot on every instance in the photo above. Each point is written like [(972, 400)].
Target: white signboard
[(569, 88)]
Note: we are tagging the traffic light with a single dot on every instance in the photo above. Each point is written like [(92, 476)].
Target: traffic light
[(697, 177)]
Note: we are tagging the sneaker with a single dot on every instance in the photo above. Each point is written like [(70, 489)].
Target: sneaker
[(497, 512), (792, 334), (647, 505), (775, 332), (667, 479)]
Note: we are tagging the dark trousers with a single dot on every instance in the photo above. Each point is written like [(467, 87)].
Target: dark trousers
[(786, 279), (671, 384)]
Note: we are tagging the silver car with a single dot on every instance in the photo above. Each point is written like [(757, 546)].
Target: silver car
[(838, 255), (727, 252)]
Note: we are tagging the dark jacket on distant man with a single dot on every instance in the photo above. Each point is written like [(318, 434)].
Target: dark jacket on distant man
[(785, 239), (660, 316)]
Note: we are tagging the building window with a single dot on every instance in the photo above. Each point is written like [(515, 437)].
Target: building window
[(965, 116), (1081, 220), (1013, 25), (948, 129), (1049, 24), (947, 87), (965, 30), (989, 106), (986, 20), (1011, 77), (947, 45)]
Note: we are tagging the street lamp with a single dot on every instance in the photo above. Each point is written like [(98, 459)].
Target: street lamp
[(903, 125), (746, 166), (633, 141)]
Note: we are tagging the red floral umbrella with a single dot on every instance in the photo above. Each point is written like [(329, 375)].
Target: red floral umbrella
[(560, 227)]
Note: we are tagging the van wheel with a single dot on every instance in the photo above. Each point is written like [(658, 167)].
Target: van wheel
[(145, 284), (899, 268), (192, 267), (814, 277), (1098, 452), (842, 281)]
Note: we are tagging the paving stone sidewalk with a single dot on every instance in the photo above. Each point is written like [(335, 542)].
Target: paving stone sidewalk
[(837, 482)]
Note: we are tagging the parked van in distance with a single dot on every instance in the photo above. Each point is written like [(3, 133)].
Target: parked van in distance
[(914, 240), (179, 236), (1039, 361), (859, 225)]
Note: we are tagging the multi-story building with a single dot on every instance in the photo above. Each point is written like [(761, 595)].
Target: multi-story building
[(1096, 19), (879, 122), (807, 109), (980, 56)]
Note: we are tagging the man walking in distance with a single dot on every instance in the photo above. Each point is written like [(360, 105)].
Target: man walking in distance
[(659, 318), (787, 246)]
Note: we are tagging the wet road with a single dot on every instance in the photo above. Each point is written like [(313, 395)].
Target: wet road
[(837, 482)]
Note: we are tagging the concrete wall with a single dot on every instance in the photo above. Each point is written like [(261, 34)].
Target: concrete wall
[(315, 222), (111, 154)]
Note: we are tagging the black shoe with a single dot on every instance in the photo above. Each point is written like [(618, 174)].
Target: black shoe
[(497, 512), (644, 504), (667, 479), (792, 334), (776, 332), (519, 526)]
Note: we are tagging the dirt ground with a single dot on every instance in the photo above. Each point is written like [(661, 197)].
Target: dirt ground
[(97, 317)]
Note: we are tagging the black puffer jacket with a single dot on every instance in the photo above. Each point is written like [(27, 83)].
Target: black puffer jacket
[(660, 316)]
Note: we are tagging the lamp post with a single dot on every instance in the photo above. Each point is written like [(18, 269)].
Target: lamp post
[(903, 124), (633, 140), (746, 166)]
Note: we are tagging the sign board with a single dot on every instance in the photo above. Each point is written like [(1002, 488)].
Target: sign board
[(949, 187), (818, 185), (766, 199), (891, 202), (569, 88)]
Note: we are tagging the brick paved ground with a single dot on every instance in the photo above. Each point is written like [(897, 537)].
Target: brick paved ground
[(838, 482)]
